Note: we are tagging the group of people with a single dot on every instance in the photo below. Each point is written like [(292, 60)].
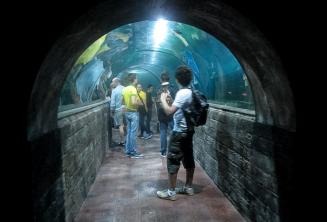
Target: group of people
[(132, 107), (135, 105)]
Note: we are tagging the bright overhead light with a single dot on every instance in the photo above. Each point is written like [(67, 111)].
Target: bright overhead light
[(159, 32)]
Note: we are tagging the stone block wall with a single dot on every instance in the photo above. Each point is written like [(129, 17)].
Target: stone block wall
[(84, 139), (248, 161), (65, 164)]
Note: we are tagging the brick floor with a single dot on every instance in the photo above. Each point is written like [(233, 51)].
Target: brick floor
[(125, 190)]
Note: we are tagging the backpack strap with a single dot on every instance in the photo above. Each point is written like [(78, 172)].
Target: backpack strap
[(190, 127), (141, 100)]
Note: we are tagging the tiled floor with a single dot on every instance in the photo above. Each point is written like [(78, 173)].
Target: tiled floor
[(125, 190)]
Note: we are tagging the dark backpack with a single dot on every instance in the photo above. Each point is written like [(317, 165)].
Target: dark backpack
[(196, 114)]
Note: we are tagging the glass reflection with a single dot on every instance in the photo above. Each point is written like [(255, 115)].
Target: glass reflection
[(148, 48)]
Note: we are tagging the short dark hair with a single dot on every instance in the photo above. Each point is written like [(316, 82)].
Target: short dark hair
[(183, 75), (131, 77), (149, 86), (164, 77)]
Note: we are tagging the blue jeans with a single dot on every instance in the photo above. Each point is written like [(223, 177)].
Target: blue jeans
[(148, 121), (132, 120), (142, 125), (163, 135)]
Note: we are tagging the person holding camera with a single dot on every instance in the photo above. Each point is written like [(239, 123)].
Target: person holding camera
[(180, 145)]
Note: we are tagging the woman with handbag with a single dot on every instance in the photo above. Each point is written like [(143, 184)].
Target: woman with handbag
[(142, 109)]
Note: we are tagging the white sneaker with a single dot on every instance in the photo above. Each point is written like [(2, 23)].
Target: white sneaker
[(136, 155), (149, 136), (163, 194), (185, 190)]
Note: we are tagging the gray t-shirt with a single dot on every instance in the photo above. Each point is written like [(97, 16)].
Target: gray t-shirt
[(183, 99), (116, 98)]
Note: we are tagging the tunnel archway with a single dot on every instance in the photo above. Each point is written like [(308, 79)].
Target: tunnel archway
[(271, 91), (149, 48), (272, 94)]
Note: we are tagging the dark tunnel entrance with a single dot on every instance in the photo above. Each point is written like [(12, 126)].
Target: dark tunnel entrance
[(248, 158)]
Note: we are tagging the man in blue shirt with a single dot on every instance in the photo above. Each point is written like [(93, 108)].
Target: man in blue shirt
[(116, 108)]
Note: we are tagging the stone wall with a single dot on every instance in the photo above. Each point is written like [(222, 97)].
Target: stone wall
[(249, 162), (65, 164)]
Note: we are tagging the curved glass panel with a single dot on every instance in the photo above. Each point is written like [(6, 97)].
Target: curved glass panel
[(148, 48)]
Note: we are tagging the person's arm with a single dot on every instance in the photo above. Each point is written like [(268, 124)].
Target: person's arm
[(123, 104), (167, 109), (133, 97), (113, 101), (135, 101), (145, 103)]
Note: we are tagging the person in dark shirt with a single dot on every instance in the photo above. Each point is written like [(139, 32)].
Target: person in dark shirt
[(149, 104), (166, 122)]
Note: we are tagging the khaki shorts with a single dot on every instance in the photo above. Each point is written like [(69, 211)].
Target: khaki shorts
[(118, 118)]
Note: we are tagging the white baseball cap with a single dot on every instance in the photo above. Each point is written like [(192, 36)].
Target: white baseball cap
[(165, 83)]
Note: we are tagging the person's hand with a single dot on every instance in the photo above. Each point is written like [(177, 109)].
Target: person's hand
[(169, 100), (163, 97)]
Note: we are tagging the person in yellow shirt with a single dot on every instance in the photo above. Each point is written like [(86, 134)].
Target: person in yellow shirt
[(142, 109), (131, 103)]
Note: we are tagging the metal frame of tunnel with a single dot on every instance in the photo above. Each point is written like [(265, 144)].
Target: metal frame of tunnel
[(149, 64)]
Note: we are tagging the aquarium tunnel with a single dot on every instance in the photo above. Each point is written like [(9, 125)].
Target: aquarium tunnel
[(80, 172)]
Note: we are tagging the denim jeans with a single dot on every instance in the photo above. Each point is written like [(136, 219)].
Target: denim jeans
[(142, 125), (163, 135), (132, 120), (148, 121)]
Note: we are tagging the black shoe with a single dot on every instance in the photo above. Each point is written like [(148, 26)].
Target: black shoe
[(121, 144)]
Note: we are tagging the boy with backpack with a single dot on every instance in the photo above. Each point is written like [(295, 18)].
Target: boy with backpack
[(181, 141)]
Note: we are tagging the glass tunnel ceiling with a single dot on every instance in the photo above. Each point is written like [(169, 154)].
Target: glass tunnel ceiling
[(149, 48)]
